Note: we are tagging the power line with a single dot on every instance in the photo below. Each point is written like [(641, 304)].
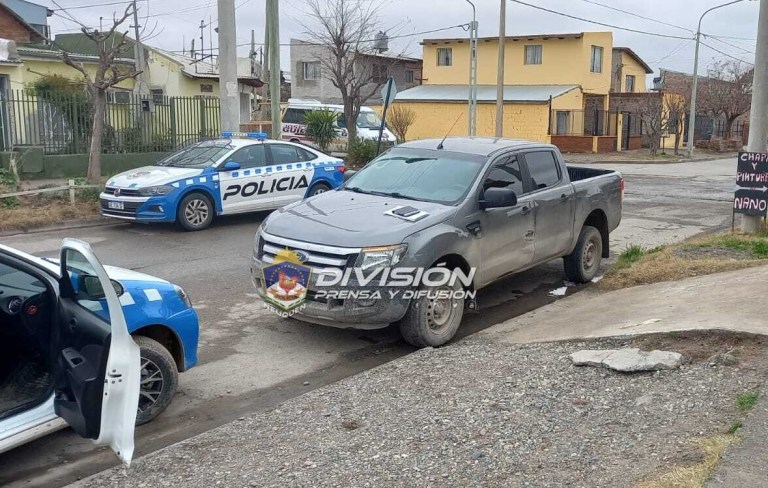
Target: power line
[(75, 7), (725, 53), (638, 15), (674, 51), (746, 51), (655, 34)]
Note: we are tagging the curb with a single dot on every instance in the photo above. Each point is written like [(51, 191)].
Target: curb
[(66, 225)]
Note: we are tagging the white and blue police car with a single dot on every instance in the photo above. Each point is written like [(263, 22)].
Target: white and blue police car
[(242, 172)]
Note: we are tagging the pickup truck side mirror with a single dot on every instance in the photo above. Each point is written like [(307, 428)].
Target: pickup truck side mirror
[(498, 198), (230, 166)]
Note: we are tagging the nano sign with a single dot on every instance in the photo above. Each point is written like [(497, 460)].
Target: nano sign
[(752, 181)]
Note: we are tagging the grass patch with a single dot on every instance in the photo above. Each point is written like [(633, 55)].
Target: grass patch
[(735, 426), (34, 211), (696, 475), (746, 401), (693, 257)]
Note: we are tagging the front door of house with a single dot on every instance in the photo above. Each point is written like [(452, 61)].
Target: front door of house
[(626, 130)]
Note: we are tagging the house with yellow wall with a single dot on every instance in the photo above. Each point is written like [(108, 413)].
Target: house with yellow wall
[(556, 88)]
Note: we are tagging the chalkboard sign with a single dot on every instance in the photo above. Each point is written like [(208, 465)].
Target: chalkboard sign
[(752, 181)]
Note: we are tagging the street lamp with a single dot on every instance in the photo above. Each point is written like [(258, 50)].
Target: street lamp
[(692, 115), (472, 98)]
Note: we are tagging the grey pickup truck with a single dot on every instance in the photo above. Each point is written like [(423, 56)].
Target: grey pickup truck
[(485, 207)]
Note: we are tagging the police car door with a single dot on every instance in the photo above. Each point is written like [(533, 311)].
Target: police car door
[(291, 170), (247, 187), (97, 367)]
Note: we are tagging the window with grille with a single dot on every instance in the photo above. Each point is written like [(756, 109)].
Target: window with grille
[(533, 54), (597, 60), (311, 70), (444, 56)]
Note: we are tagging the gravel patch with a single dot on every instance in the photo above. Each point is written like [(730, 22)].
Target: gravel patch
[(476, 413), (713, 252)]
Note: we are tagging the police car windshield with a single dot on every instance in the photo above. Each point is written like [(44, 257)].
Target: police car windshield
[(200, 155), (418, 174)]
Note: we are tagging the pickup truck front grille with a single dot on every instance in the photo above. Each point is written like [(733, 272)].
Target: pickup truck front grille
[(317, 256)]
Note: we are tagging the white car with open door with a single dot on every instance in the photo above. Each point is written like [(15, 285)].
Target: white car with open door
[(59, 361)]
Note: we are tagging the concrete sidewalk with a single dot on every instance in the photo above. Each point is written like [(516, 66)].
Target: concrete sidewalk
[(499, 409)]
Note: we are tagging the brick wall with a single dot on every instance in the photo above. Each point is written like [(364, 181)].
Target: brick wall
[(11, 28), (606, 144), (635, 142), (573, 144)]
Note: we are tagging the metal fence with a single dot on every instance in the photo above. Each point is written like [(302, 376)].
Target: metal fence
[(587, 123), (62, 124)]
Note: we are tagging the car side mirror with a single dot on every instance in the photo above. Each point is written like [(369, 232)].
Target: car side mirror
[(230, 166), (498, 198), (91, 288)]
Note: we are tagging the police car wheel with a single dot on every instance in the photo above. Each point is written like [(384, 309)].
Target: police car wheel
[(319, 188), (159, 379), (195, 212)]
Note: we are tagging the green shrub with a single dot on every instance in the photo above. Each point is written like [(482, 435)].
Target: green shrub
[(7, 178), (360, 152), (321, 127)]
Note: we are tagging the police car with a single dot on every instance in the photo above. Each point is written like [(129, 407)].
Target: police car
[(242, 172)]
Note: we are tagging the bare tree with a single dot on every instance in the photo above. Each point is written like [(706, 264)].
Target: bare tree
[(654, 117), (727, 92), (346, 29), (111, 45), (400, 120), (678, 106)]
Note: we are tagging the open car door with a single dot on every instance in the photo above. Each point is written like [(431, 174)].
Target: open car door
[(96, 363)]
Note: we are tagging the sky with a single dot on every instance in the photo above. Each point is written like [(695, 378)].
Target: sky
[(729, 31)]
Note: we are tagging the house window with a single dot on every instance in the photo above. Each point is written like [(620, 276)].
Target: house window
[(533, 54), (409, 76), (630, 84), (206, 88), (311, 70), (597, 60), (379, 73), (562, 119), (444, 56), (158, 97)]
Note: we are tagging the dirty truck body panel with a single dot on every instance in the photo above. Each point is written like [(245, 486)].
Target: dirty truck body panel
[(553, 203)]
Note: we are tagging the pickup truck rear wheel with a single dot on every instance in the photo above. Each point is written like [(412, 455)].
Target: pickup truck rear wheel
[(159, 379), (583, 263), (432, 321)]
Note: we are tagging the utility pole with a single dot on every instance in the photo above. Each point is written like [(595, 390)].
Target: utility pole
[(273, 23), (229, 94), (138, 54), (500, 70), (695, 87), (263, 109), (758, 116), (472, 130)]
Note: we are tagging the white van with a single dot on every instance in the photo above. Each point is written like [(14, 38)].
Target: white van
[(368, 124)]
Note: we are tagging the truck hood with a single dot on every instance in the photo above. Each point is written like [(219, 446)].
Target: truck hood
[(348, 219), (151, 176)]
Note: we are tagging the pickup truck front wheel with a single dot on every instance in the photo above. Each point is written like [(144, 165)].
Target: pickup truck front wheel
[(432, 319), (583, 263)]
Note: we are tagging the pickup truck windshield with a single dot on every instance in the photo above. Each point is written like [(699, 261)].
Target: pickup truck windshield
[(200, 155), (432, 176)]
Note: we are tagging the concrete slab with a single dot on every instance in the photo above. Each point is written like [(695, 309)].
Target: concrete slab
[(661, 307)]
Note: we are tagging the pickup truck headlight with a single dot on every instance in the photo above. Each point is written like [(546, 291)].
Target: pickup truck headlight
[(380, 256), (152, 191), (183, 295)]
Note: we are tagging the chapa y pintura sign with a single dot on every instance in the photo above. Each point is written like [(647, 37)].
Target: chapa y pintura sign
[(752, 181)]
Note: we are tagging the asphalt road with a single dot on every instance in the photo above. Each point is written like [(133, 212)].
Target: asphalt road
[(251, 360)]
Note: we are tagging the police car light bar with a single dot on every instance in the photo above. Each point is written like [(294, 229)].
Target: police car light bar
[(244, 135)]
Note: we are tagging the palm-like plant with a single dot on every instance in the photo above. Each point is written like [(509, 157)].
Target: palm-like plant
[(321, 127)]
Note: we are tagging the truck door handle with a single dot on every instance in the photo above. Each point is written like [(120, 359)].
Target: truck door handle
[(474, 228), (526, 209), (564, 197)]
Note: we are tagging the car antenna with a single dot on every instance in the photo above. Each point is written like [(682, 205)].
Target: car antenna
[(440, 146)]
